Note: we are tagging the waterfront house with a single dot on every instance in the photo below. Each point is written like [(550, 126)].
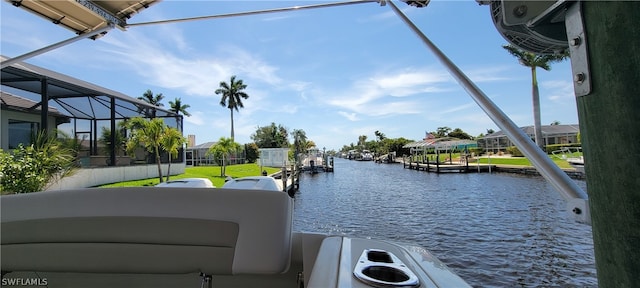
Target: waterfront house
[(20, 119), (552, 134)]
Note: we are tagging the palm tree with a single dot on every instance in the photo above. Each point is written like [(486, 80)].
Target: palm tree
[(362, 140), (153, 100), (299, 142), (171, 141), (177, 107), (232, 95), (223, 147), (533, 61), (148, 134)]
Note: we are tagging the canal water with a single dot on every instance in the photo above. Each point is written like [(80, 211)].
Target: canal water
[(494, 230)]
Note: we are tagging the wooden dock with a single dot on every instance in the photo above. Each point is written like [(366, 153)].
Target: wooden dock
[(291, 182), (449, 167), (482, 167)]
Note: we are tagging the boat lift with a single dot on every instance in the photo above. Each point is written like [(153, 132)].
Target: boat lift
[(543, 14)]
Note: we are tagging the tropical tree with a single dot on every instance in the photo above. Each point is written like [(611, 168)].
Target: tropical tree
[(232, 96), (223, 147), (381, 145), (271, 136), (172, 140), (362, 140), (441, 132), (117, 146), (147, 134), (459, 133), (299, 142), (156, 100), (251, 152), (310, 144), (534, 61), (179, 108), (148, 97), (32, 168)]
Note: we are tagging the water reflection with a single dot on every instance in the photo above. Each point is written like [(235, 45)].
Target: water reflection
[(495, 230)]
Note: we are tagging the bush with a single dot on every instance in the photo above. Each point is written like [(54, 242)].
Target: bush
[(514, 151), (32, 168), (476, 150)]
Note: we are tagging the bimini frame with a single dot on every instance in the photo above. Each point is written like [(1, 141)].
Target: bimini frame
[(576, 197)]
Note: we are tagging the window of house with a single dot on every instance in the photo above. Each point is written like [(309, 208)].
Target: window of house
[(21, 132)]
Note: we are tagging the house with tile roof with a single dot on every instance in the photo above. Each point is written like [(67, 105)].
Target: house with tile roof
[(552, 134)]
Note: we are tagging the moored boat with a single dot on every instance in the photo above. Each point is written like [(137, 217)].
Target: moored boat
[(188, 182), (254, 182), (184, 236)]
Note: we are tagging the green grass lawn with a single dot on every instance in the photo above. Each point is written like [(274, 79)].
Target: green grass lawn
[(522, 161), (210, 172)]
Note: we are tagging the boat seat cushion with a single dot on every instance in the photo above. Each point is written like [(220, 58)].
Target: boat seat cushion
[(147, 230)]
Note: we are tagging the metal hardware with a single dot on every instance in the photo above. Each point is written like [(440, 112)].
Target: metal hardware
[(294, 8), (578, 49), (26, 56), (206, 281)]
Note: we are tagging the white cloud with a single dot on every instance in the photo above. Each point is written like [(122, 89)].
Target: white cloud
[(196, 118), (194, 74), (350, 116), (558, 90)]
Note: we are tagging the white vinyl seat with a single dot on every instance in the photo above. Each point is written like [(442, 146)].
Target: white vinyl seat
[(147, 230)]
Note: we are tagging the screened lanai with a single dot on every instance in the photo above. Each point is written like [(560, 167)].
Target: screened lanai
[(440, 144), (80, 101)]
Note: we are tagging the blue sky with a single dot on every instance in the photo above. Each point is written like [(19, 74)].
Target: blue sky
[(336, 73)]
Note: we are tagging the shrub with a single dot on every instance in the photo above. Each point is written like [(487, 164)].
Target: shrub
[(514, 151), (476, 150), (32, 168)]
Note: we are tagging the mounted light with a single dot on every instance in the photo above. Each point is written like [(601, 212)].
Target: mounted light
[(418, 3), (534, 26)]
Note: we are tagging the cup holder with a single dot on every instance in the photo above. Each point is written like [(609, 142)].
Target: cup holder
[(379, 268), (385, 273)]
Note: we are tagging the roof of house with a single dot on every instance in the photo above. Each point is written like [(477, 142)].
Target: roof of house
[(78, 98), (444, 142), (17, 103), (205, 146), (546, 130)]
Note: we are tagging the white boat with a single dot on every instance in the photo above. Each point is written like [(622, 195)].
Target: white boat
[(366, 155), (573, 156), (313, 161), (188, 182), (254, 182), (193, 237)]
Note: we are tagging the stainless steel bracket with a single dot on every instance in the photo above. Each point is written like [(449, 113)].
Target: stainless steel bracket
[(578, 49)]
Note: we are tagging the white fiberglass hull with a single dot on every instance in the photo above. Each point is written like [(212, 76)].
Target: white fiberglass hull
[(152, 237)]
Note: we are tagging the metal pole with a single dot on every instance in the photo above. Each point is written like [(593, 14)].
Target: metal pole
[(294, 8), (568, 188), (609, 120), (26, 56)]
